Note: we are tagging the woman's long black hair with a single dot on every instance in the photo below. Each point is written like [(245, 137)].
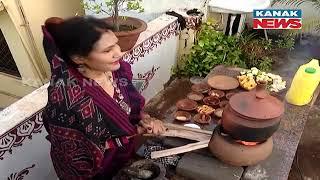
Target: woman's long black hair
[(77, 35)]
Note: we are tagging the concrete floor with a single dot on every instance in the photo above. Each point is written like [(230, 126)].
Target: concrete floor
[(307, 161)]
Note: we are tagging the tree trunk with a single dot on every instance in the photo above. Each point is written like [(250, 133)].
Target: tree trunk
[(116, 15)]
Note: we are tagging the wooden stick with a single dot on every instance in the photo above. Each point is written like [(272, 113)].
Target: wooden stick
[(174, 126), (188, 135), (179, 150), (196, 136)]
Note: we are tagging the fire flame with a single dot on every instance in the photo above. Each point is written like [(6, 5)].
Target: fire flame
[(247, 143)]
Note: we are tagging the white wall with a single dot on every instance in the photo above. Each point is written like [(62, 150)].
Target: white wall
[(154, 55), (35, 151), (162, 57), (155, 8)]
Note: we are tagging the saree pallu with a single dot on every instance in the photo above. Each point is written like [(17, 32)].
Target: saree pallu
[(86, 127)]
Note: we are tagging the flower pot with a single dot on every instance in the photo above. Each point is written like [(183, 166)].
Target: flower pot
[(128, 39)]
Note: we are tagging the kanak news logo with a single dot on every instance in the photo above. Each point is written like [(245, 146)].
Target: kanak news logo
[(277, 19)]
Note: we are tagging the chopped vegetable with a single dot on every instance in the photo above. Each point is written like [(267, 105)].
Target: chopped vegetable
[(250, 78)]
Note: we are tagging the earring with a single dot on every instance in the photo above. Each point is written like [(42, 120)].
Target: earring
[(81, 68)]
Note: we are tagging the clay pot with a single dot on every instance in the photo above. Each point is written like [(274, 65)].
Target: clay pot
[(223, 104), (229, 151), (252, 116), (127, 39), (211, 101), (182, 116), (196, 96), (229, 95), (186, 105), (246, 129), (200, 88), (217, 93), (218, 112), (202, 118)]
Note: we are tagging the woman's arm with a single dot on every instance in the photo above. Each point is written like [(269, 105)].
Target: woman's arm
[(137, 101), (146, 124)]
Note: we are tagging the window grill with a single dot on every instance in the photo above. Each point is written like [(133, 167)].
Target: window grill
[(7, 63)]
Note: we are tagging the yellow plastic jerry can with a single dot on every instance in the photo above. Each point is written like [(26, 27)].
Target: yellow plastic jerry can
[(304, 84)]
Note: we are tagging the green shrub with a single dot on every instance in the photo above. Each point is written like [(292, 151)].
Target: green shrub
[(212, 48)]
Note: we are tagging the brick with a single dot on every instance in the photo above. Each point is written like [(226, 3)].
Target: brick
[(201, 167)]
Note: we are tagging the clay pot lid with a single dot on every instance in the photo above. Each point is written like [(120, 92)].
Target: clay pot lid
[(221, 82), (186, 105), (257, 104)]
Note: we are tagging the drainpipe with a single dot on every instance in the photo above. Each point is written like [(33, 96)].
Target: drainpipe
[(36, 61)]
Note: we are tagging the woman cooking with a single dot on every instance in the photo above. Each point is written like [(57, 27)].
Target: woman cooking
[(93, 111)]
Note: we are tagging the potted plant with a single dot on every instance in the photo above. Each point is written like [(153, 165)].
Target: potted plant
[(127, 29)]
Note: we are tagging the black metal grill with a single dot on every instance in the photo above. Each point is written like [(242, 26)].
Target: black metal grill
[(7, 64)]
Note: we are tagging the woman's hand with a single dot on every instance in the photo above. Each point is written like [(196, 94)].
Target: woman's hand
[(151, 126)]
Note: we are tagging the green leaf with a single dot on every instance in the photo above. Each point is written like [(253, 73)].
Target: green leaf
[(201, 43), (219, 48)]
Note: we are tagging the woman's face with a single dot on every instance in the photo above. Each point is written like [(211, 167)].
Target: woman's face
[(105, 54)]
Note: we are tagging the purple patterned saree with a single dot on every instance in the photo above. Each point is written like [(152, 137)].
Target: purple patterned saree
[(88, 130)]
